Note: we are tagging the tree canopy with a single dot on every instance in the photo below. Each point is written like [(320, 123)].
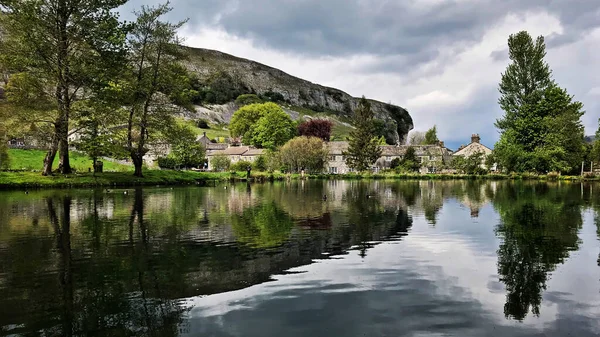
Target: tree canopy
[(431, 137), (320, 128), (541, 127), (308, 153), (264, 125), (363, 149)]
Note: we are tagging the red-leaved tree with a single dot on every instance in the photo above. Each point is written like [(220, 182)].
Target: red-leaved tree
[(320, 128)]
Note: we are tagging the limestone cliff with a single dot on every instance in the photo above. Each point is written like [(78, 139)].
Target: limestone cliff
[(246, 76)]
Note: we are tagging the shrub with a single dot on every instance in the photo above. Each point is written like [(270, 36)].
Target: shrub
[(220, 162), (167, 163), (552, 175), (247, 99), (202, 123), (272, 96), (241, 165), (395, 163), (260, 164)]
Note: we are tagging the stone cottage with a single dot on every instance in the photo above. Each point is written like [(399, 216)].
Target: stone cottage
[(431, 157), (475, 147)]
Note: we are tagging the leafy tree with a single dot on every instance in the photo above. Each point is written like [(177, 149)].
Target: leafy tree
[(470, 164), (395, 163), (380, 140), (220, 162), (240, 166), (260, 163), (431, 137), (525, 79), (307, 153), (154, 55), (596, 147), (273, 129), (69, 48), (541, 127), (185, 150), (416, 138), (363, 149), (245, 117), (320, 128), (410, 162)]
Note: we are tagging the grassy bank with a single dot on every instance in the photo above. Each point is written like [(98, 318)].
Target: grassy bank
[(10, 180), (156, 177), (31, 160), (395, 176)]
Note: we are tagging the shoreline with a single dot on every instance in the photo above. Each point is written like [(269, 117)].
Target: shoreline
[(34, 180)]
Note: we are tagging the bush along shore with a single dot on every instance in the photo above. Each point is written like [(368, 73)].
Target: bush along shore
[(34, 180)]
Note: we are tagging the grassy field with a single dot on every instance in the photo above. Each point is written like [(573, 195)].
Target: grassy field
[(31, 160), (24, 180)]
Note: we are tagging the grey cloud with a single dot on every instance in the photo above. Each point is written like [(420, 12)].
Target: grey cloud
[(345, 27)]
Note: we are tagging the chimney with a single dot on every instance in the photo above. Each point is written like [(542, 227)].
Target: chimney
[(475, 138), (441, 144), (204, 134)]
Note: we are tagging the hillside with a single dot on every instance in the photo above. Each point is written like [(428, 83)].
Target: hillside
[(227, 76)]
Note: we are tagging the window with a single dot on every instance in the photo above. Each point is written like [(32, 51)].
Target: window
[(388, 158), (431, 169), (331, 158), (431, 158), (333, 170)]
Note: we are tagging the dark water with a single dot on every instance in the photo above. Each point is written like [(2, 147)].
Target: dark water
[(413, 259)]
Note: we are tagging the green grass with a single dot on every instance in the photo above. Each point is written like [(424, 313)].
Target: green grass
[(213, 132), (32, 160), (10, 180), (26, 180)]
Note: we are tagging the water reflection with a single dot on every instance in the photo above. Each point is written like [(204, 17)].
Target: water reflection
[(114, 263)]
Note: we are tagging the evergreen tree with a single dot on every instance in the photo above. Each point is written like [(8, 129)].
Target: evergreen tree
[(525, 78), (431, 137), (363, 149)]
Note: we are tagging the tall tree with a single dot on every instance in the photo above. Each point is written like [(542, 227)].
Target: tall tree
[(596, 145), (65, 45), (431, 137), (541, 128), (363, 149), (526, 77), (155, 52)]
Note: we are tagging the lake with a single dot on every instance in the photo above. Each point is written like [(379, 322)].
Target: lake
[(303, 258)]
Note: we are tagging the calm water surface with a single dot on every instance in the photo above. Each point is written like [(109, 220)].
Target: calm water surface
[(374, 259)]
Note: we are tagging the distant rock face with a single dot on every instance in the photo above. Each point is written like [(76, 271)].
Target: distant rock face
[(260, 79)]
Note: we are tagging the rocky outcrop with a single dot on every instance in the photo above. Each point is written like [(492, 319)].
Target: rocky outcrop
[(254, 77)]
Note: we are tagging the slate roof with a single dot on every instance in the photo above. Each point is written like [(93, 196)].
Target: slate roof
[(253, 152)]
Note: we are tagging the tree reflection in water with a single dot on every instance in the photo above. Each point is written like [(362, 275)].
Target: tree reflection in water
[(118, 265), (539, 227)]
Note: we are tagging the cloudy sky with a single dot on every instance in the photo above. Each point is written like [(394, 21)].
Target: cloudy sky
[(440, 59)]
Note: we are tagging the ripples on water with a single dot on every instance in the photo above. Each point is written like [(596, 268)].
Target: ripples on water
[(415, 259)]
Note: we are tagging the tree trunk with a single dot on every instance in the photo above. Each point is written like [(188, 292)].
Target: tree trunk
[(138, 160), (50, 155)]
